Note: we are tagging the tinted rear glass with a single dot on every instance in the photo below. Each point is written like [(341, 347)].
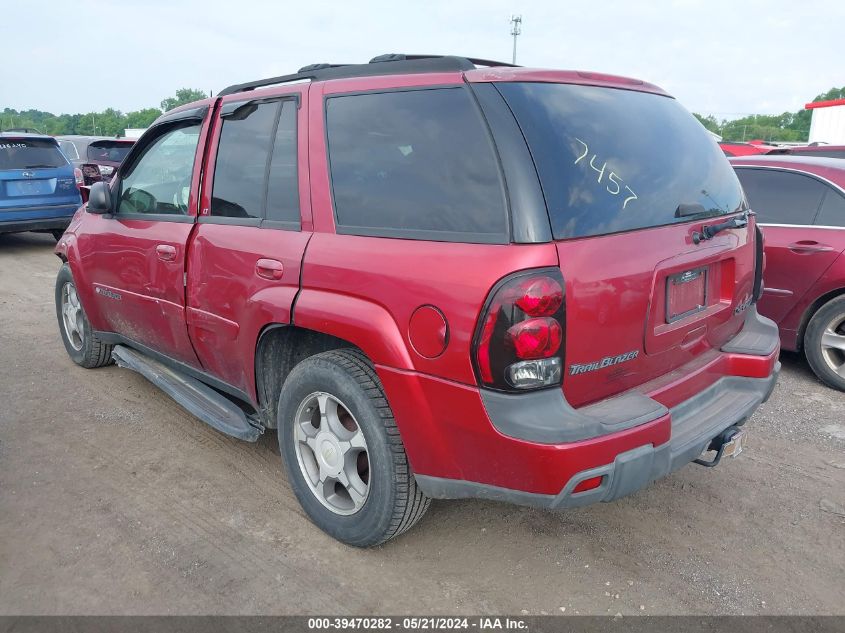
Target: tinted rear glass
[(30, 154), (110, 151), (416, 164), (781, 197), (617, 160), (832, 212)]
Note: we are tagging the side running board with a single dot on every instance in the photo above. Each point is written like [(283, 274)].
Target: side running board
[(197, 398)]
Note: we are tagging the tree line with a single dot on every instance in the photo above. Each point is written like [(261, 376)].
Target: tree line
[(109, 122), (789, 126)]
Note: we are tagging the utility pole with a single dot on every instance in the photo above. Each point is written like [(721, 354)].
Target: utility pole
[(516, 29)]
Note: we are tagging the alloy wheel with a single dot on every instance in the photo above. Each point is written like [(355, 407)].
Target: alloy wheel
[(332, 453), (833, 345), (72, 316)]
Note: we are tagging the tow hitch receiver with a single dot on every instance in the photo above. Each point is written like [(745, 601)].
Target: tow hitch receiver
[(729, 443)]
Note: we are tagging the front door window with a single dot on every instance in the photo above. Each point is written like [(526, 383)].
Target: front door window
[(159, 180)]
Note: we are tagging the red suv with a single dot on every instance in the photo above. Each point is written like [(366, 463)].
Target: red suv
[(800, 204), (436, 277)]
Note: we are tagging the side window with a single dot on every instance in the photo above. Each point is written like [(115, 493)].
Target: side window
[(241, 168), (282, 185), (69, 150), (832, 212), (159, 179), (415, 164), (780, 197)]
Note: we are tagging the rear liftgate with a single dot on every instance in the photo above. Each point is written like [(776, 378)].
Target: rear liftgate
[(197, 398)]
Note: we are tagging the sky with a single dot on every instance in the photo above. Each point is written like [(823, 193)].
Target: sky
[(722, 57)]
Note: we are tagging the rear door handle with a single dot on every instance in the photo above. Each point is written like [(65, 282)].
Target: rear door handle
[(166, 252), (269, 269), (809, 246)]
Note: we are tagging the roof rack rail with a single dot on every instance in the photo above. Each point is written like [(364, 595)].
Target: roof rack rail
[(388, 64)]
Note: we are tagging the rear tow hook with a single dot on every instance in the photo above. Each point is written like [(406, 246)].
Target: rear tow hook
[(730, 438)]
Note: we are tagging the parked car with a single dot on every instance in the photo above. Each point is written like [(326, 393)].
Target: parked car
[(743, 149), (820, 151), (96, 156), (39, 188), (800, 205), (435, 280)]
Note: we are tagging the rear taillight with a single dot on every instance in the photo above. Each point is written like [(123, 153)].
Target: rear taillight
[(519, 339), (91, 174), (78, 177)]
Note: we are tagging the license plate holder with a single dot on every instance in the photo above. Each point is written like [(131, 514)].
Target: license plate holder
[(686, 293)]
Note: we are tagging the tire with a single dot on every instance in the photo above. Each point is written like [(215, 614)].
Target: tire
[(57, 234), (84, 349), (824, 343), (393, 502)]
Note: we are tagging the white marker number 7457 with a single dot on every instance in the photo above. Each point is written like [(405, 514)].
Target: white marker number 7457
[(615, 184)]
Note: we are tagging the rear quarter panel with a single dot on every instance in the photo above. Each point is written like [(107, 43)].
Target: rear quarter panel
[(830, 284), (365, 289)]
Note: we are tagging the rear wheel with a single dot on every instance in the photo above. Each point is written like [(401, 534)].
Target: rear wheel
[(83, 347), (824, 343), (57, 234), (343, 455)]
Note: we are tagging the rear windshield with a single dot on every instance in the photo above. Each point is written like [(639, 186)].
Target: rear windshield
[(614, 160), (113, 151), (30, 153)]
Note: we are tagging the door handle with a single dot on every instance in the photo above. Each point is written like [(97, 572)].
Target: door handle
[(166, 252), (809, 246), (269, 269)]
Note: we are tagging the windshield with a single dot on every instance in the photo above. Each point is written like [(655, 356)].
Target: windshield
[(30, 153), (614, 160), (109, 151)]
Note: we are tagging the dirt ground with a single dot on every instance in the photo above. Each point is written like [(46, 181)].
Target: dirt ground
[(114, 500)]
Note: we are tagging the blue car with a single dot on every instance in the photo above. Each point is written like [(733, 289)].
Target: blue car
[(38, 188)]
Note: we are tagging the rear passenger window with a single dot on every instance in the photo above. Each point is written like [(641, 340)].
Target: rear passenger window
[(779, 197), (416, 164), (241, 167), (832, 212), (282, 187)]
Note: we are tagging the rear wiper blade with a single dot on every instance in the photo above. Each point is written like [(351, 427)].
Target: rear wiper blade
[(685, 210), (37, 166), (709, 232)]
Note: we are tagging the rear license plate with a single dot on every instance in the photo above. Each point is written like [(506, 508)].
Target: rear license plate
[(27, 187), (686, 294), (736, 444)]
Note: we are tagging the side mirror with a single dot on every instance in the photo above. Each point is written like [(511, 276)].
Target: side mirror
[(99, 198)]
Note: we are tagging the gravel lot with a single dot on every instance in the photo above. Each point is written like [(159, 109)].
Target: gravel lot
[(114, 500)]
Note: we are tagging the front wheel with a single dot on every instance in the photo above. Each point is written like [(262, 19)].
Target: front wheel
[(343, 455), (83, 347), (824, 343)]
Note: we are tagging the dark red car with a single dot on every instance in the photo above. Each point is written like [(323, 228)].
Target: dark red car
[(819, 151), (436, 277), (731, 148), (800, 205)]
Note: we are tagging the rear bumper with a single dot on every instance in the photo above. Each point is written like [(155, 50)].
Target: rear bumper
[(17, 219), (461, 443), (729, 402)]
